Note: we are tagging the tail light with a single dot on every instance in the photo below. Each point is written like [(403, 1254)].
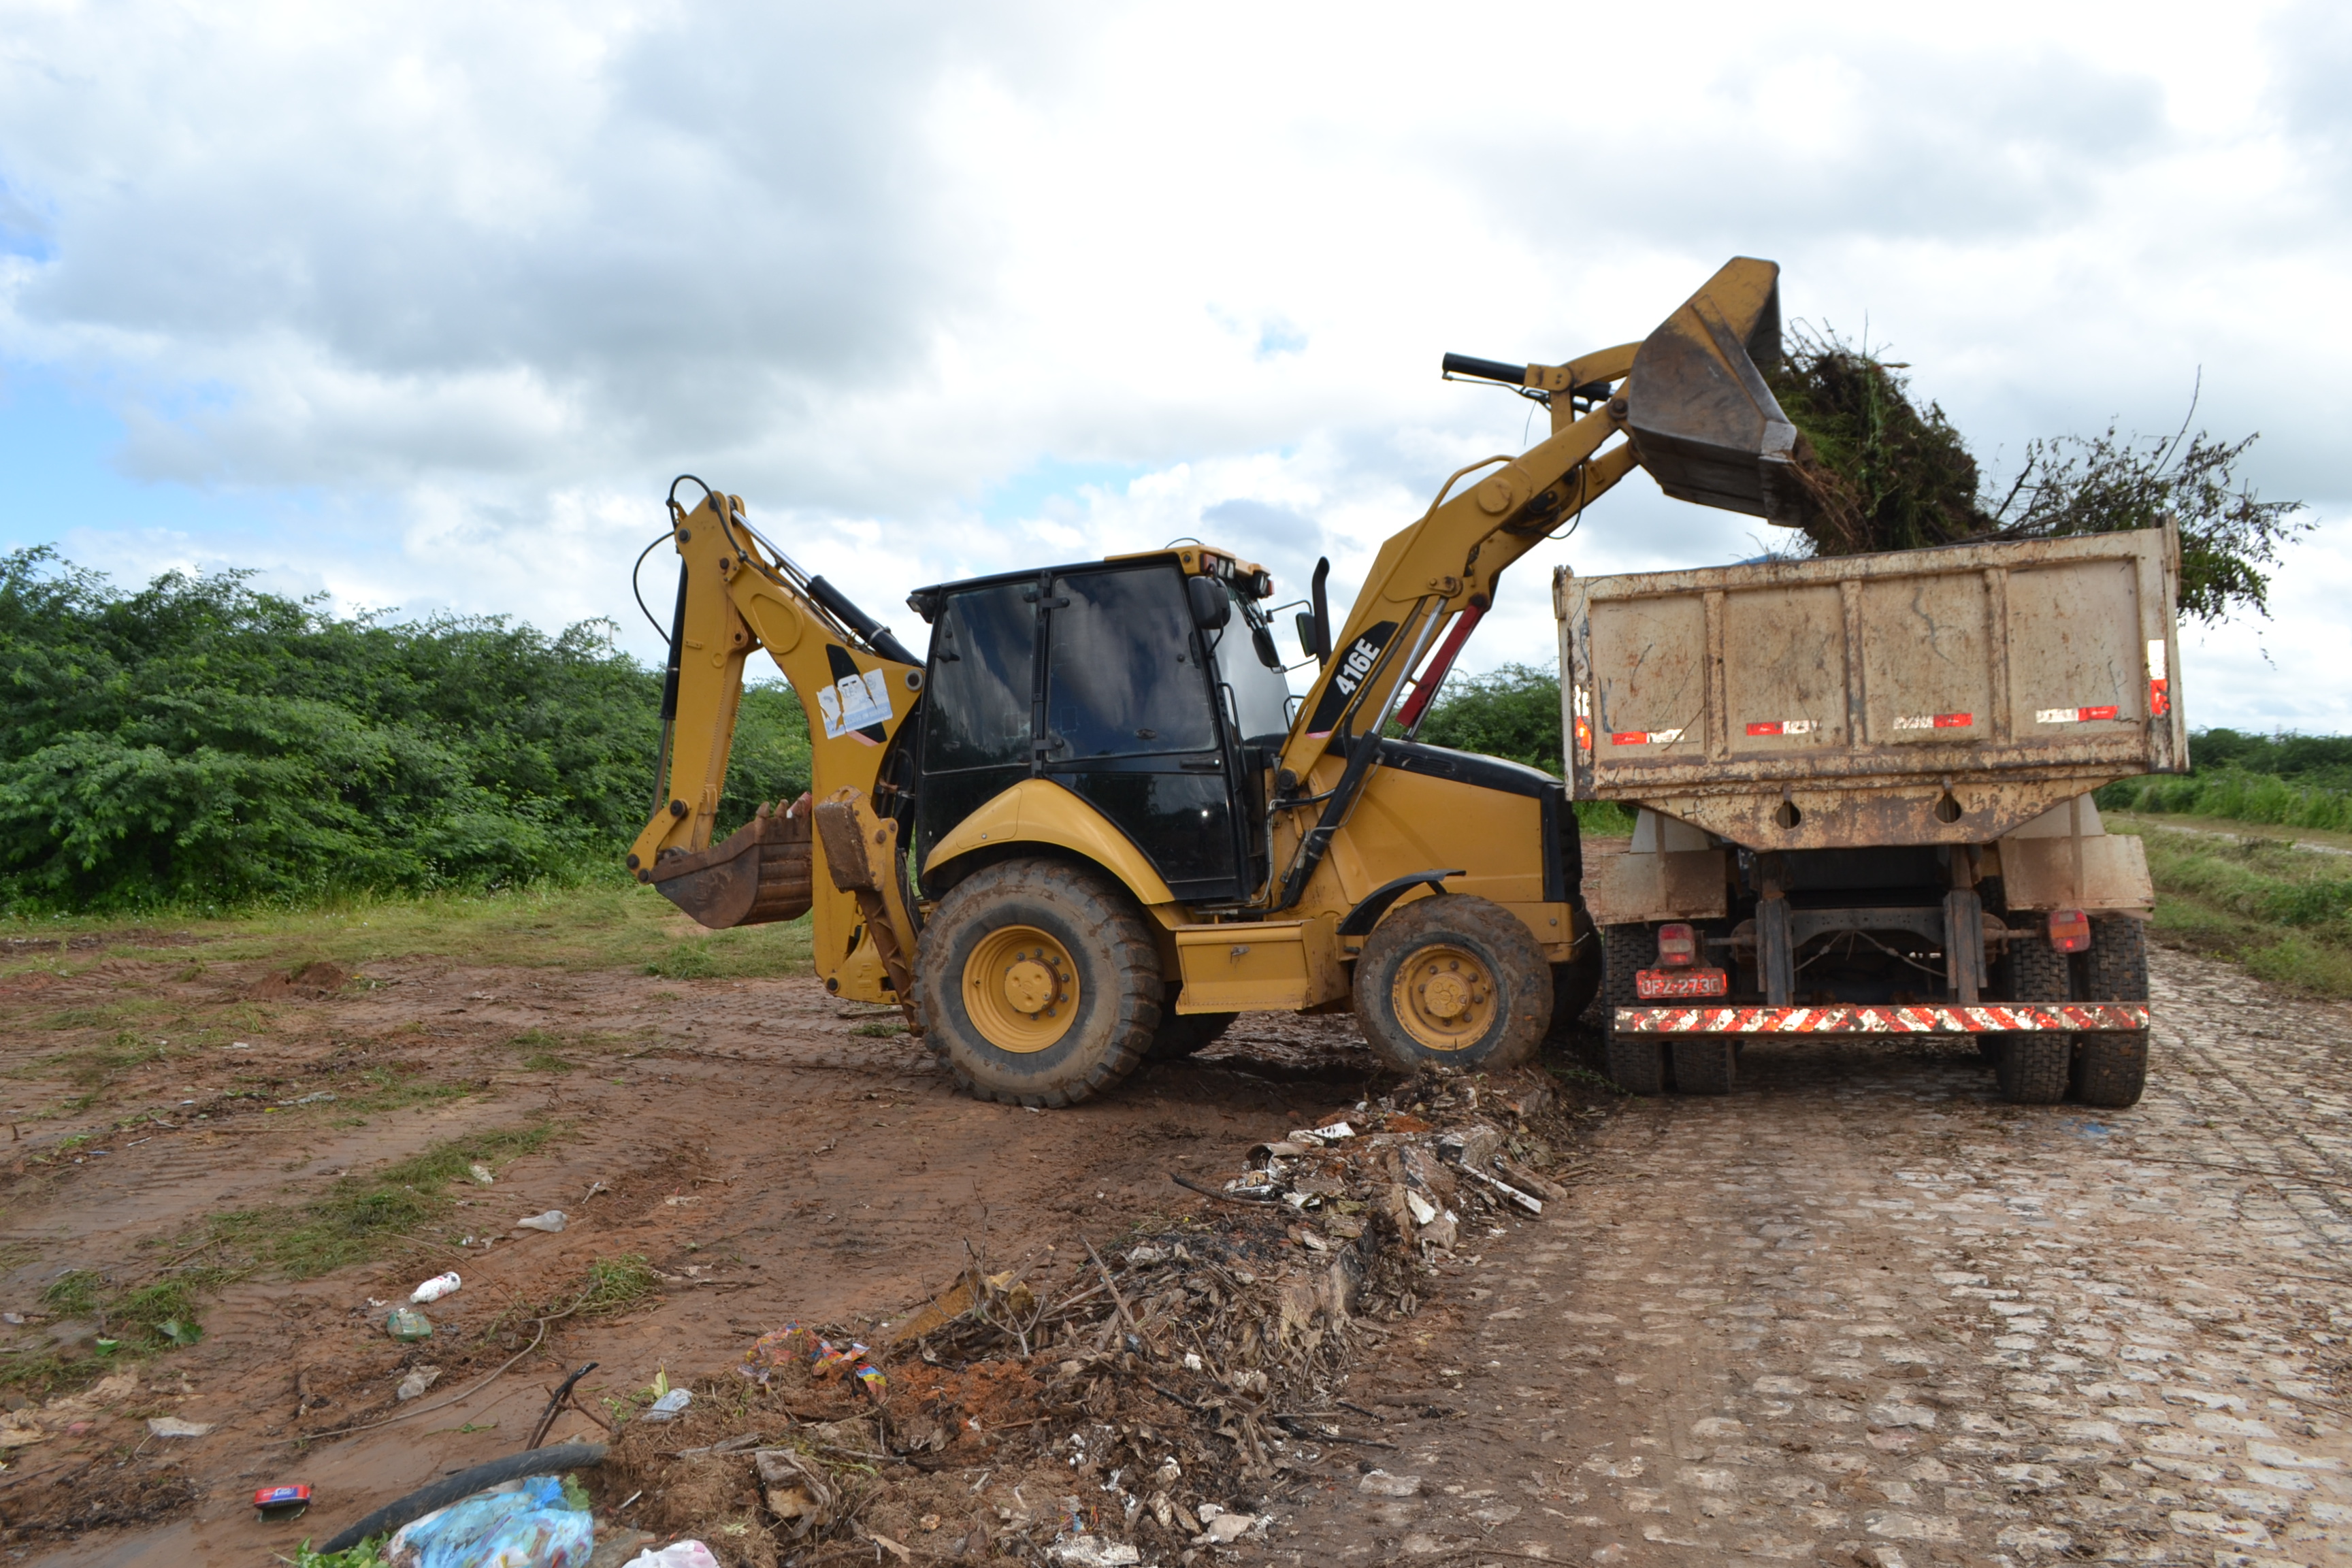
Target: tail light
[(1677, 946), (2069, 930)]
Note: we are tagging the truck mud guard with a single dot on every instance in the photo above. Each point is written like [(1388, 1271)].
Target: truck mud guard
[(1992, 1018)]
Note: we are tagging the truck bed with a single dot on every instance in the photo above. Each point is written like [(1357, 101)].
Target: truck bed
[(1924, 696)]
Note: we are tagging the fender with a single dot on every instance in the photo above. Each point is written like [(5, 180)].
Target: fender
[(1039, 811)]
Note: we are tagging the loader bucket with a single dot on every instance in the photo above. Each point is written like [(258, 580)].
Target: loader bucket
[(1697, 411), (760, 872)]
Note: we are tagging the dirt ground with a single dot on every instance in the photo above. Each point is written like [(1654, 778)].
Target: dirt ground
[(1858, 1312)]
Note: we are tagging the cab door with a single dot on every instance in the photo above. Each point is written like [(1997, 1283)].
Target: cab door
[(1131, 722)]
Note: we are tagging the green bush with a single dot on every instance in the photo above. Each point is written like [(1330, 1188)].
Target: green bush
[(2293, 781), (200, 742)]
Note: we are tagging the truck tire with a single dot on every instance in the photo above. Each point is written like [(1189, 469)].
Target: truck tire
[(1453, 981), (2031, 1067), (1181, 1035), (1704, 1064), (1637, 1062), (2111, 1069), (1039, 982)]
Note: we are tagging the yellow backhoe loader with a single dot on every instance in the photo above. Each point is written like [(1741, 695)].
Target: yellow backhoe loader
[(1093, 823)]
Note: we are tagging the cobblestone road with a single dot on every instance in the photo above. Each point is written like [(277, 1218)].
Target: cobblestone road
[(1861, 1311)]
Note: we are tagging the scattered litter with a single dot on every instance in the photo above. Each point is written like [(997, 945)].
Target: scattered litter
[(595, 1189), (1225, 1529), (238, 1046), (433, 1289), (551, 1222), (670, 1405), (272, 1504), (14, 1319), (173, 1426), (530, 1527), (1333, 1133), (1422, 1210), (1379, 1483), (1092, 1552), (407, 1325), (417, 1382), (321, 1098), (480, 1173), (677, 1554), (1145, 1256), (680, 1200)]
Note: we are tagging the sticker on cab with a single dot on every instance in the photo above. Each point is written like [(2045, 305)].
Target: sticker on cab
[(855, 702)]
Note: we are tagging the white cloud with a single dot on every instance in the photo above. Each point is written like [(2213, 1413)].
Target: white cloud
[(452, 291)]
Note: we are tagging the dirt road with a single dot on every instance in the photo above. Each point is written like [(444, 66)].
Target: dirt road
[(1857, 1311), (1862, 1311)]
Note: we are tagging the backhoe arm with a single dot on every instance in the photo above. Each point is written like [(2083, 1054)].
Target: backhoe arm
[(857, 686)]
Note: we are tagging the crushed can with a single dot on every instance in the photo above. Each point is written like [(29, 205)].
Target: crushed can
[(272, 1503)]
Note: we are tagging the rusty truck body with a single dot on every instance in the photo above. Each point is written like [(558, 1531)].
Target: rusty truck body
[(1861, 794)]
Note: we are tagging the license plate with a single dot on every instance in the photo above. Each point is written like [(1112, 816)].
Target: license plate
[(1653, 984)]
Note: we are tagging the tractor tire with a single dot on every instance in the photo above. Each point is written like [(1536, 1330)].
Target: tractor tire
[(1637, 1062), (2111, 1069), (1453, 981), (1704, 1064), (1185, 1034), (1039, 982), (2031, 1067)]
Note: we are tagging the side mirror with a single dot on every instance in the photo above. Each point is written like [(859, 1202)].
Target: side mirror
[(1307, 642), (1211, 605), (1262, 639)]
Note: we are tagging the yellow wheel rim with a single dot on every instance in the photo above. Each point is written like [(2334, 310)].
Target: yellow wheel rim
[(1445, 997), (1021, 989)]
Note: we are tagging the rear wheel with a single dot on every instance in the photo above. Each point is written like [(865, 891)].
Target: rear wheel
[(2031, 1067), (1453, 981), (1704, 1064), (2111, 1068), (1638, 1062), (1039, 983)]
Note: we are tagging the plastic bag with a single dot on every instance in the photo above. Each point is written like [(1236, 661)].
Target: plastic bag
[(677, 1554), (530, 1527)]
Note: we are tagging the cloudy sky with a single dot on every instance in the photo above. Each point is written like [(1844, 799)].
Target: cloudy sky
[(422, 306)]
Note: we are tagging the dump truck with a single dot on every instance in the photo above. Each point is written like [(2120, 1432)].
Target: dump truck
[(1861, 796), (1092, 823)]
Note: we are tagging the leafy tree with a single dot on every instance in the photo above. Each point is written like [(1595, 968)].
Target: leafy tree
[(1513, 712)]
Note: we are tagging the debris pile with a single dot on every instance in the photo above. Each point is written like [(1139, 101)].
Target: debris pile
[(1116, 1403)]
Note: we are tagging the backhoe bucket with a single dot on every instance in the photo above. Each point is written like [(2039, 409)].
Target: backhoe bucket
[(760, 872), (1697, 411)]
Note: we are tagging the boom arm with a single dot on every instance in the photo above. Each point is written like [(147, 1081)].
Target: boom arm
[(1695, 410)]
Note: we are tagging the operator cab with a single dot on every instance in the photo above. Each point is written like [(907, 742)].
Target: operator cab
[(1147, 685)]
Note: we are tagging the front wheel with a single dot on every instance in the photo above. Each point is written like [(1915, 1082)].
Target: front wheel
[(1453, 981), (1038, 982)]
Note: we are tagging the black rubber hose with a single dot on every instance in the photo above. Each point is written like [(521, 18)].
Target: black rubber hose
[(551, 1462), (1485, 369)]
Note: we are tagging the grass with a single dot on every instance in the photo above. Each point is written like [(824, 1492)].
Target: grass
[(364, 1216), (600, 926), (615, 1284), (2283, 912)]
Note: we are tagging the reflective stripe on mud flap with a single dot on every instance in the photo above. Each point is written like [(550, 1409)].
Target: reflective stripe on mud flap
[(1995, 1019)]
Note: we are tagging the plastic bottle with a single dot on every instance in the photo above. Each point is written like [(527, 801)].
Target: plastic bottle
[(433, 1289)]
